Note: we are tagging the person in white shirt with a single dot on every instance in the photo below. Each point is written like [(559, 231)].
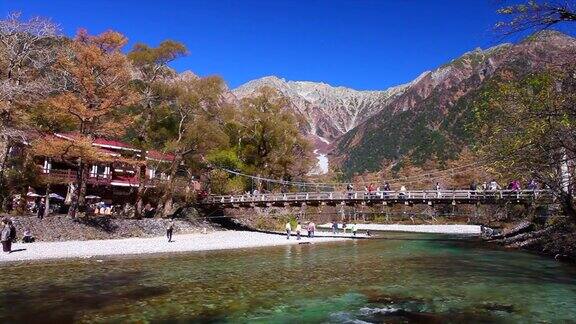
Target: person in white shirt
[(288, 230), (402, 193), (354, 229)]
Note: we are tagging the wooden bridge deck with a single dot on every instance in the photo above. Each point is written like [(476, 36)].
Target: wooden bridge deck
[(429, 197)]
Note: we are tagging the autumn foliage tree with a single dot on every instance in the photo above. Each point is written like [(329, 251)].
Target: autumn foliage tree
[(28, 48), (152, 71), (186, 126), (85, 88), (27, 52), (528, 128), (97, 84), (269, 138)]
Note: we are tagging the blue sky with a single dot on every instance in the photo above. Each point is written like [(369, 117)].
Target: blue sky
[(362, 44)]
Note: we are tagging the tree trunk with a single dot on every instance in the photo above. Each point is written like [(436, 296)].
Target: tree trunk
[(143, 137), (79, 194), (141, 187), (518, 229), (47, 202), (167, 198), (3, 162), (82, 192), (4, 157), (567, 203), (518, 239)]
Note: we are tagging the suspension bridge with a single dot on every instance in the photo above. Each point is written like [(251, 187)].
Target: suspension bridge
[(361, 198)]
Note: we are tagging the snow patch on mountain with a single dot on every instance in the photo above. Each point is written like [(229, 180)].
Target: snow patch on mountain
[(322, 166)]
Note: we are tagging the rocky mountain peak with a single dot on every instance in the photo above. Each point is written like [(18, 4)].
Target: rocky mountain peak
[(330, 111)]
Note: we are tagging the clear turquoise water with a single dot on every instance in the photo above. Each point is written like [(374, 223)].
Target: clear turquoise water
[(402, 278)]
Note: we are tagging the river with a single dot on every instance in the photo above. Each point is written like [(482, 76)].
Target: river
[(400, 278)]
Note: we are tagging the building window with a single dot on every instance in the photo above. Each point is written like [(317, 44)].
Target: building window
[(151, 173), (47, 165), (94, 171)]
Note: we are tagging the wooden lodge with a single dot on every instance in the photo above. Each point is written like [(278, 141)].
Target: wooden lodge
[(115, 178)]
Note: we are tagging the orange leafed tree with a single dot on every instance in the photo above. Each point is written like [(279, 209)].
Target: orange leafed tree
[(97, 85)]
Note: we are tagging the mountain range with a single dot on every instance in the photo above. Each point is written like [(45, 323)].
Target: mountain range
[(423, 119)]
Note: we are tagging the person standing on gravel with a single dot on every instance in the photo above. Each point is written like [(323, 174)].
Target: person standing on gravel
[(298, 230), (354, 229), (311, 229), (41, 209), (6, 236), (288, 230), (169, 231), (334, 227)]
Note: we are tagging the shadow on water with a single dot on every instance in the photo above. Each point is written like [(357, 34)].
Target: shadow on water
[(59, 304), (216, 317)]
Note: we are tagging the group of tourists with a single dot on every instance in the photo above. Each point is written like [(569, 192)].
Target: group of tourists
[(372, 191), (493, 185), (310, 228)]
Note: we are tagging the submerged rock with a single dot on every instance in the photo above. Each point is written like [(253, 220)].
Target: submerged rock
[(396, 315), (377, 297), (508, 308)]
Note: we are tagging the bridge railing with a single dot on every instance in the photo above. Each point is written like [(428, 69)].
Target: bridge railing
[(453, 195)]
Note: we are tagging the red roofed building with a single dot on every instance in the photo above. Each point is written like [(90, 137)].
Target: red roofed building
[(115, 179)]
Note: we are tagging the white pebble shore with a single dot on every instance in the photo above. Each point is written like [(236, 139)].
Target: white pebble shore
[(440, 229), (220, 240)]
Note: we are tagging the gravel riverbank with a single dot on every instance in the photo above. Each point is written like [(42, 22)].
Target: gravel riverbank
[(440, 229), (219, 240), (63, 228)]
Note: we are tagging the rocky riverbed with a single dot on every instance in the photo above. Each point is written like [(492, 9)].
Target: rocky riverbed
[(63, 228)]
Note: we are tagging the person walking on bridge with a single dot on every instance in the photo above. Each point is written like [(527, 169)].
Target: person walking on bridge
[(288, 230), (350, 189), (494, 185), (402, 193), (385, 189), (371, 191)]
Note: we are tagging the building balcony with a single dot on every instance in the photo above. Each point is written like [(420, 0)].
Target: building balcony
[(70, 176), (123, 180)]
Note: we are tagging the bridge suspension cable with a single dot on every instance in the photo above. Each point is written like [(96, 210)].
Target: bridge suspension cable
[(405, 180)]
